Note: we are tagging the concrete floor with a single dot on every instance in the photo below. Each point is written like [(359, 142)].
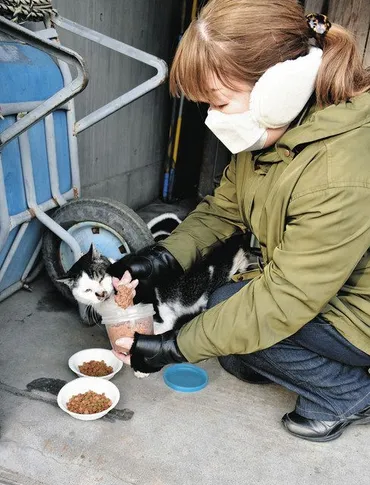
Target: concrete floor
[(228, 433)]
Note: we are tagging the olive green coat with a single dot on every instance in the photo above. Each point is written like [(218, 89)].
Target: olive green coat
[(307, 200)]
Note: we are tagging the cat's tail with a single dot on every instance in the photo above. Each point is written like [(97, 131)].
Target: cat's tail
[(241, 262), (161, 226)]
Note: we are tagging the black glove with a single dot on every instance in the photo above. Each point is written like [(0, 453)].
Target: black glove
[(149, 353), (150, 266)]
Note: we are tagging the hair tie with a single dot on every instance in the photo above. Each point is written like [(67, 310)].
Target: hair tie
[(318, 23)]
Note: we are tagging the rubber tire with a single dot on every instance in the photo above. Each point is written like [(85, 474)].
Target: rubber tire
[(121, 218)]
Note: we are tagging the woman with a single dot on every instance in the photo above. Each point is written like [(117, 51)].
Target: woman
[(289, 96)]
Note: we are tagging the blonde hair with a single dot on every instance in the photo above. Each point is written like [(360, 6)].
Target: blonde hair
[(238, 40)]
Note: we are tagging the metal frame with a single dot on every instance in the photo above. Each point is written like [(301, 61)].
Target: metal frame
[(122, 48), (36, 111)]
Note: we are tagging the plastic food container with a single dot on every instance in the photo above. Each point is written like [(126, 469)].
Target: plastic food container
[(124, 323)]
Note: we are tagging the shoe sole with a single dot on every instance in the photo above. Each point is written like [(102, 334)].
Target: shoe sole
[(331, 437)]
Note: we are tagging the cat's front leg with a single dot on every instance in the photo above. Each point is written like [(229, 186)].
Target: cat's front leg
[(140, 375), (168, 316)]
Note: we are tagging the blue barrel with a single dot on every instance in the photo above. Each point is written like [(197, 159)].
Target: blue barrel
[(28, 74)]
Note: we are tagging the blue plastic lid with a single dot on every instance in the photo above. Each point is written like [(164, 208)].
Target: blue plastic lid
[(185, 377)]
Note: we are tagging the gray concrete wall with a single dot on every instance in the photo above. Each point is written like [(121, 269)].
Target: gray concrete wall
[(122, 156)]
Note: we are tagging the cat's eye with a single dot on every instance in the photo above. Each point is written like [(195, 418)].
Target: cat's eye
[(87, 291)]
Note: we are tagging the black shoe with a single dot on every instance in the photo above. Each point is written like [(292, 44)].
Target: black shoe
[(238, 368), (315, 430)]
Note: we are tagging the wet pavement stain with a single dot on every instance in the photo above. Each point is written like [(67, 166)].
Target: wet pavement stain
[(46, 384), (53, 301), (53, 386)]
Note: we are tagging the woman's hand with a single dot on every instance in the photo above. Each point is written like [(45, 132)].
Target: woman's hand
[(125, 344), (149, 353), (151, 266), (125, 288)]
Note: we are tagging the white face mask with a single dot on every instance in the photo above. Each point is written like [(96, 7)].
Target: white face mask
[(238, 132), (275, 101)]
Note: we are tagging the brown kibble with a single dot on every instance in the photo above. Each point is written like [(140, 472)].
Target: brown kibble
[(89, 402), (95, 368)]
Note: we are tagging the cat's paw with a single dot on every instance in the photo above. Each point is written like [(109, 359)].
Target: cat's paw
[(140, 375), (162, 327)]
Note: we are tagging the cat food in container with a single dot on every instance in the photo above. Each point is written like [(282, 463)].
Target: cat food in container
[(124, 323)]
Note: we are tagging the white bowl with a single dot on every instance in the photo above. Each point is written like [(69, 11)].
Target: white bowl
[(95, 354), (85, 384)]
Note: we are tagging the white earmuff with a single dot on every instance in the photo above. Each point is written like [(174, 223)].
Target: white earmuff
[(283, 90)]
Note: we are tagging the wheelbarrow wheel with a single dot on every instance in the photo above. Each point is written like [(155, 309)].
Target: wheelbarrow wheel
[(113, 227)]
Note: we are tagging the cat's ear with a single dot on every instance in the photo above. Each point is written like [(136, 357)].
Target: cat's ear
[(93, 252), (66, 281)]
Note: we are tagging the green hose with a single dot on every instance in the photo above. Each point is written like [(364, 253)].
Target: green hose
[(26, 10)]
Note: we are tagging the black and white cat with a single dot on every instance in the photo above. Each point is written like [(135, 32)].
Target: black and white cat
[(181, 300), (177, 302), (88, 279)]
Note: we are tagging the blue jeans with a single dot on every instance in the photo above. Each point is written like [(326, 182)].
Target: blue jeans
[(328, 373)]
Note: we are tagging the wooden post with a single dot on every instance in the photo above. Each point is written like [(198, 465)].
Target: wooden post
[(355, 16), (314, 6), (367, 54), (351, 14)]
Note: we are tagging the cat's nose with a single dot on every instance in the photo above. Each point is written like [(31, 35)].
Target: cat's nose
[(101, 295)]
